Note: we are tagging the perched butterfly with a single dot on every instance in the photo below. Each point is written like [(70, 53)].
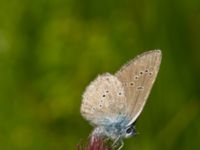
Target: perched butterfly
[(112, 103)]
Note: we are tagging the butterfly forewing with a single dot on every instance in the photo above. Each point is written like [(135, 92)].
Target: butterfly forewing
[(137, 78), (103, 100)]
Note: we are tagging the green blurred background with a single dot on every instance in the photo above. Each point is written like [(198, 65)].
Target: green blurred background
[(51, 49)]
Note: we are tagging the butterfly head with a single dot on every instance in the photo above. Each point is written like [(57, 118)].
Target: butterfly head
[(130, 131)]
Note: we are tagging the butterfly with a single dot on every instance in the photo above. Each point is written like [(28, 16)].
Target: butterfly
[(112, 103)]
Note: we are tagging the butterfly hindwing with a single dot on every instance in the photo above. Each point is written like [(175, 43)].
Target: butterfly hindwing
[(103, 100)]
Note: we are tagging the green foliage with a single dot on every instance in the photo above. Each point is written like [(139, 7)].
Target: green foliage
[(51, 50)]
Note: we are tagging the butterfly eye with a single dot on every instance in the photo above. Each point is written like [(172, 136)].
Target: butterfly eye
[(129, 130)]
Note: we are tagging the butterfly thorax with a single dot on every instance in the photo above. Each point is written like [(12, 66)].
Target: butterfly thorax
[(114, 129)]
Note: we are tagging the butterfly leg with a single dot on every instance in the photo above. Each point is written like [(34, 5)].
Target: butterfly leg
[(122, 144), (118, 141), (115, 142)]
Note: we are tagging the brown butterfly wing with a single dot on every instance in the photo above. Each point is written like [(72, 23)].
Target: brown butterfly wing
[(137, 77), (103, 100)]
